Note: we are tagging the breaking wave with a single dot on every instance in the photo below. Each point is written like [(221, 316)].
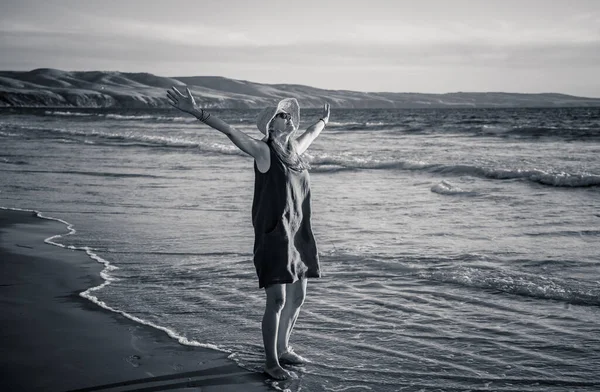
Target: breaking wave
[(322, 162), (447, 188), (529, 285)]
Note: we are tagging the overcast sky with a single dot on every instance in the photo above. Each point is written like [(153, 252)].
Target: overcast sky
[(441, 46)]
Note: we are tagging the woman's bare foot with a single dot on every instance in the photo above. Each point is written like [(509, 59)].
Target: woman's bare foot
[(289, 357), (277, 372)]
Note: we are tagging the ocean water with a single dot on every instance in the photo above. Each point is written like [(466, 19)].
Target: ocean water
[(460, 248)]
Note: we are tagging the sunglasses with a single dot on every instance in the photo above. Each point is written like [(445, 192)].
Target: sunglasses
[(284, 115)]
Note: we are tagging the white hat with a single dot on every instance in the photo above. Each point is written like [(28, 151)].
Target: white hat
[(287, 105)]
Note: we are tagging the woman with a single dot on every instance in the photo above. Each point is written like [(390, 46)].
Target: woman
[(285, 251)]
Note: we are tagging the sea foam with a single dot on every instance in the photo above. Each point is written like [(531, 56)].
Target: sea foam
[(517, 283), (332, 162), (447, 188), (108, 279)]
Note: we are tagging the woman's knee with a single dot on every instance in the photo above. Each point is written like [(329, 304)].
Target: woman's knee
[(275, 298), (298, 299), (276, 304)]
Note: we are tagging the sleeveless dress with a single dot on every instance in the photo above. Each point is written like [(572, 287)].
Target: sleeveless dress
[(284, 246)]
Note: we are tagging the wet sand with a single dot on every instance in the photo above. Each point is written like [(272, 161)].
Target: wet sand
[(53, 339)]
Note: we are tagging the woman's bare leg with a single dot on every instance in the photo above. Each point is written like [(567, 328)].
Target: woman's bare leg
[(295, 294), (270, 325)]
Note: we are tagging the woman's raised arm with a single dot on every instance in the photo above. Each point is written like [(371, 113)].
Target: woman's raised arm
[(305, 140), (186, 103)]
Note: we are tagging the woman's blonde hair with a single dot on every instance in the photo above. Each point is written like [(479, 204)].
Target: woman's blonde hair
[(289, 154)]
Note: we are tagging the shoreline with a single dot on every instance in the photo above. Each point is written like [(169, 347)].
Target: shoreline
[(54, 339)]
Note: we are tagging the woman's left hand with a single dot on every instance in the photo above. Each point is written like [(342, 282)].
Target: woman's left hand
[(185, 103), (325, 115)]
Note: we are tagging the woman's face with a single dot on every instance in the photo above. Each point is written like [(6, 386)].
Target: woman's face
[(282, 122)]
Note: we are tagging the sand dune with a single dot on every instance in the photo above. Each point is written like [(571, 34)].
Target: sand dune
[(57, 88)]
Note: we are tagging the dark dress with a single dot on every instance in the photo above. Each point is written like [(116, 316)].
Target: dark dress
[(284, 246)]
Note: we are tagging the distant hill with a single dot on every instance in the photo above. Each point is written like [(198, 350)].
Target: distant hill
[(56, 88)]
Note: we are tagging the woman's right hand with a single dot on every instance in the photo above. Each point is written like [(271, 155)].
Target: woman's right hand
[(185, 103), (325, 117)]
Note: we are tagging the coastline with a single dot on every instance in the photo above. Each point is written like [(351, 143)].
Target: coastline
[(54, 339)]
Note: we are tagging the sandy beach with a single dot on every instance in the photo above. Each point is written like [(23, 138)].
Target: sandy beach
[(52, 339)]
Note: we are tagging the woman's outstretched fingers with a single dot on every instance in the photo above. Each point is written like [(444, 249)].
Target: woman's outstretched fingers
[(185, 103), (326, 112), (178, 92), (190, 97), (172, 96)]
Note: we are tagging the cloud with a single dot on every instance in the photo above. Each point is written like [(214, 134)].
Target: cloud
[(494, 32), (129, 30), (180, 46), (492, 43)]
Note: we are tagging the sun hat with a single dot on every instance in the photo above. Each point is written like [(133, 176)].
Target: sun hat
[(288, 105)]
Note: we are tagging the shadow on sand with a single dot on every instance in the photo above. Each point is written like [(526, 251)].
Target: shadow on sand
[(221, 375)]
